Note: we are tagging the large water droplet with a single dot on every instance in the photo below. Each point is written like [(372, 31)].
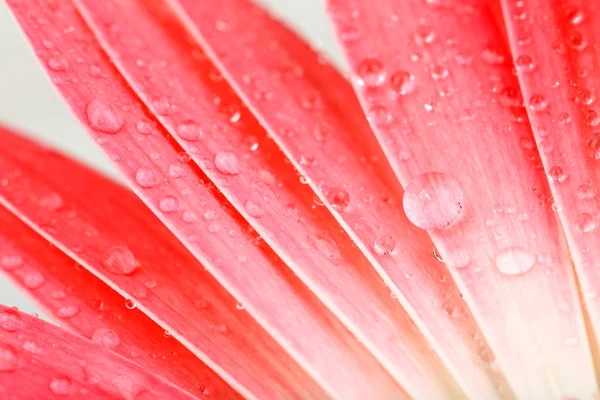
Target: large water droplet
[(227, 163), (104, 117), (106, 338), (10, 320), (433, 201), (326, 246), (514, 261), (8, 358), (384, 245), (119, 260), (61, 386), (33, 280)]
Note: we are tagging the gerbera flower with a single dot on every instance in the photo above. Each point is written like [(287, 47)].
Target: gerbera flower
[(433, 237)]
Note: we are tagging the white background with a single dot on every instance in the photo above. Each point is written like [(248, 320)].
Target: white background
[(28, 101)]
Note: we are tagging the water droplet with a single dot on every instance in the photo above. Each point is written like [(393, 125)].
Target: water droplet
[(253, 209), (493, 56), (57, 63), (176, 170), (119, 260), (557, 174), (577, 41), (591, 118), (424, 35), (227, 163), (436, 255), (67, 311), (145, 177), (379, 115), (61, 386), (384, 245), (403, 82), (370, 73), (514, 261), (338, 198), (439, 72), (189, 131), (189, 217), (104, 117), (433, 201), (8, 358), (169, 204), (326, 246), (162, 105), (106, 338), (33, 280), (586, 222), (510, 97), (146, 127), (130, 304), (322, 132), (525, 63), (592, 145), (10, 320), (586, 191), (538, 103), (10, 262), (52, 202)]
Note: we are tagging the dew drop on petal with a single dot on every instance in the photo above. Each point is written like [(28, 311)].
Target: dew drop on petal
[(538, 103), (61, 386), (106, 338), (57, 63), (8, 358), (585, 222), (119, 260), (326, 246), (10, 320), (189, 131), (384, 245), (104, 117), (402, 82), (514, 261), (10, 262), (146, 127), (370, 73), (33, 280), (145, 177), (67, 311), (227, 163), (592, 145), (338, 197), (433, 201), (557, 174), (168, 204), (525, 63), (253, 209)]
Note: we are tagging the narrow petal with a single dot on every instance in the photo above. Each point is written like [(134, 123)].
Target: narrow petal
[(156, 59), (441, 74), (113, 235), (563, 49), (39, 360), (312, 114), (83, 304), (218, 236)]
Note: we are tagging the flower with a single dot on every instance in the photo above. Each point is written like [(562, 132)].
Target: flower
[(442, 247)]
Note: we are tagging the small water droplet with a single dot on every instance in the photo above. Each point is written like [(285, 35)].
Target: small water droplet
[(52, 202), (384, 245), (322, 132), (189, 217), (227, 163), (10, 320), (106, 338), (169, 204), (146, 127), (61, 386), (162, 105), (379, 115), (58, 63), (586, 222), (145, 177), (8, 358), (33, 280), (439, 72), (67, 311), (538, 103), (10, 262), (592, 145), (586, 191), (119, 260), (189, 131), (403, 82), (254, 209), (525, 63), (326, 246), (130, 304), (514, 261), (424, 35), (104, 117), (557, 174), (338, 198), (433, 201), (370, 73)]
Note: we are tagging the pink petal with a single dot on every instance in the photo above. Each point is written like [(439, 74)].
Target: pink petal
[(311, 112), (563, 50), (88, 307), (41, 361), (155, 59), (436, 81), (106, 229)]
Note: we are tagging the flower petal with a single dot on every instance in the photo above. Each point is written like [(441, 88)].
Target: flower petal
[(563, 47), (156, 60), (85, 305), (39, 360), (312, 114), (441, 74), (145, 154), (106, 229)]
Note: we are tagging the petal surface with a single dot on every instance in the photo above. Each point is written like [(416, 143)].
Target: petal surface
[(310, 111), (39, 360), (436, 81), (83, 304)]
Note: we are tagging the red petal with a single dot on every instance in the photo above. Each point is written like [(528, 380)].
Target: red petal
[(41, 361), (563, 49), (311, 112), (203, 128), (437, 82), (114, 236), (88, 307), (250, 271)]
